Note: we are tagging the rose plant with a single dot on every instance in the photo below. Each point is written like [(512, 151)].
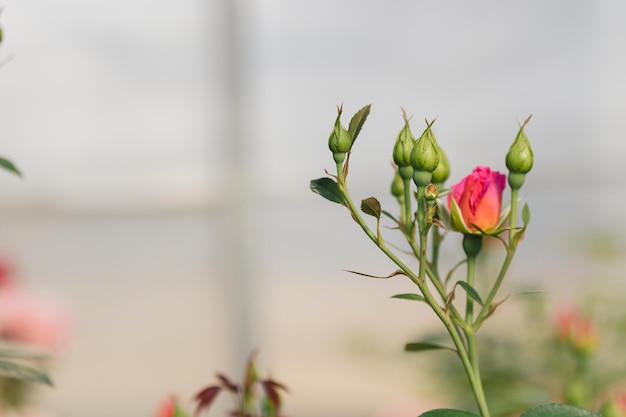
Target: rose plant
[(473, 209)]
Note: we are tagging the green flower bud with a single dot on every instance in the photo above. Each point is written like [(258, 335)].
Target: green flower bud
[(425, 153), (442, 172), (397, 186), (404, 146), (339, 140), (519, 159)]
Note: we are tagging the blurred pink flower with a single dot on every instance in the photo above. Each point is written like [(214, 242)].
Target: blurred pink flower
[(576, 330), (26, 317)]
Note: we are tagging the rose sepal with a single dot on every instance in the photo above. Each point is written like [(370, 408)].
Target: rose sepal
[(453, 220)]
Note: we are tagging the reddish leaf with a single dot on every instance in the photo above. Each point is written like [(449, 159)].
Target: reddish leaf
[(205, 397), (271, 390), (228, 384)]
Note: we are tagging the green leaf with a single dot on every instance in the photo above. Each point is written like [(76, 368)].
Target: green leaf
[(422, 346), (526, 214), (23, 372), (357, 121), (414, 297), (329, 189), (371, 206), (448, 412), (470, 291), (558, 410), (9, 166)]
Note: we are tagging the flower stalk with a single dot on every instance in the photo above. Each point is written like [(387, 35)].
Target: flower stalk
[(475, 210)]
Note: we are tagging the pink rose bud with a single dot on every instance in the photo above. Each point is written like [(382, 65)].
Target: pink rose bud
[(475, 202)]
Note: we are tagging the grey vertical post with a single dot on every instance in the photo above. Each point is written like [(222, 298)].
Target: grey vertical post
[(238, 228)]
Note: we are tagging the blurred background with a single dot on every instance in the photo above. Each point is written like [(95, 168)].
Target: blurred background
[(167, 150)]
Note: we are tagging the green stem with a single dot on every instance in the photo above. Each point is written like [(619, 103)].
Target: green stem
[(470, 336), (469, 303), (408, 213), (479, 393), (437, 238), (472, 244), (434, 261), (513, 217), (486, 309), (436, 281), (510, 252)]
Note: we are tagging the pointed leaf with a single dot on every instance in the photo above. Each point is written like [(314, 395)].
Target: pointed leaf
[(371, 206), (228, 384), (470, 291), (414, 297), (329, 189), (558, 410), (250, 378), (526, 214), (9, 166), (448, 412), (23, 372), (206, 397), (357, 121), (423, 346), (393, 274)]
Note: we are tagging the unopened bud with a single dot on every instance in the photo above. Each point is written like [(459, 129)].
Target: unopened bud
[(339, 140), (442, 172), (397, 186), (519, 159), (425, 153), (403, 146)]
